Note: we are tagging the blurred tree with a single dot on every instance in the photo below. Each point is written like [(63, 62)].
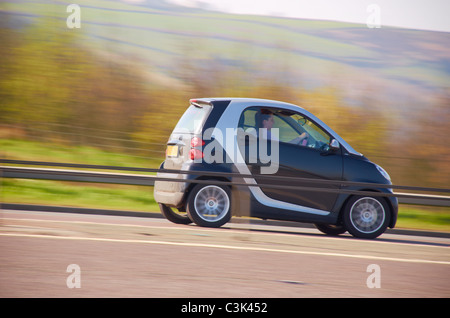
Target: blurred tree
[(52, 85), (427, 148), (365, 128), (10, 39)]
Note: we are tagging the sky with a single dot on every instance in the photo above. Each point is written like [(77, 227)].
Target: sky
[(414, 14)]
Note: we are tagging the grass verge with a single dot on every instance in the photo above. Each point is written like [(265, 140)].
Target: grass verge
[(98, 196), (56, 152)]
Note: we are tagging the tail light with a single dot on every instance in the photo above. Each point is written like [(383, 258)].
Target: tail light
[(197, 142), (196, 153)]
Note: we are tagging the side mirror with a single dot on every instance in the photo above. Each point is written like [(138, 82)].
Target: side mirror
[(334, 145), (331, 148)]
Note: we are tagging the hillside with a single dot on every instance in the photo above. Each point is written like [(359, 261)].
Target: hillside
[(160, 36)]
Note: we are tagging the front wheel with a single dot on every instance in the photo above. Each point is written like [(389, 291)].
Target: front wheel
[(209, 205), (366, 216), (330, 229)]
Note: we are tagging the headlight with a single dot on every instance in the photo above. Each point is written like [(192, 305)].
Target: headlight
[(383, 172)]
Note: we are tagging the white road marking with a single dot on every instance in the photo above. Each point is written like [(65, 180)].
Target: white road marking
[(230, 247), (228, 228)]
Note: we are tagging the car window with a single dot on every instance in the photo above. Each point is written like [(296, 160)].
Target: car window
[(294, 124), (287, 131), (247, 119), (316, 132), (192, 119), (290, 126)]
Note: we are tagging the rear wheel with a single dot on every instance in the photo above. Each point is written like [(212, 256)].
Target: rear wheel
[(172, 216), (366, 216), (209, 205)]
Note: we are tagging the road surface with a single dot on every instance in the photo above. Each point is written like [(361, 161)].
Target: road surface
[(73, 255)]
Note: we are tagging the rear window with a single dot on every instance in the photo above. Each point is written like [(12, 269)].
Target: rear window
[(193, 119)]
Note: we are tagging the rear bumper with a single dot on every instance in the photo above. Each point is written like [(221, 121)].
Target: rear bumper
[(170, 193)]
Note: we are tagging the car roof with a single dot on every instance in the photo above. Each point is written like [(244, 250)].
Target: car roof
[(245, 100), (242, 99)]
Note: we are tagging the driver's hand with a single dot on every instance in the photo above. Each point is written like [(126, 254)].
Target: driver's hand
[(303, 139)]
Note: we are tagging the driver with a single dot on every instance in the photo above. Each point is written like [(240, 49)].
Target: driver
[(267, 122)]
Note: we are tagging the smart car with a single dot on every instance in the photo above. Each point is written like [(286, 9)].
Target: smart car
[(270, 160)]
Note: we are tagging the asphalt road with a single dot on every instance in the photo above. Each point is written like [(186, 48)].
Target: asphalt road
[(149, 257)]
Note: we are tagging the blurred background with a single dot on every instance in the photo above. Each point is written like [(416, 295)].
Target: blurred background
[(111, 91)]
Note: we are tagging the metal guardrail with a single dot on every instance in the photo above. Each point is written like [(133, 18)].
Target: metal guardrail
[(148, 180)]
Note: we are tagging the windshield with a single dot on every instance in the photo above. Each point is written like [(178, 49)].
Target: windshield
[(193, 119)]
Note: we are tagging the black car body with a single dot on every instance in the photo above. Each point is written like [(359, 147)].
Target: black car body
[(218, 141)]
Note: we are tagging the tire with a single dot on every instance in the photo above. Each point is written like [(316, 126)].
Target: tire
[(366, 216), (331, 229), (209, 205), (173, 216)]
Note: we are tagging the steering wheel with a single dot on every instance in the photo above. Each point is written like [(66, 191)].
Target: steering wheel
[(310, 142)]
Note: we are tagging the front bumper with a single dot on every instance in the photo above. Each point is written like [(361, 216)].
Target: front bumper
[(393, 201)]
